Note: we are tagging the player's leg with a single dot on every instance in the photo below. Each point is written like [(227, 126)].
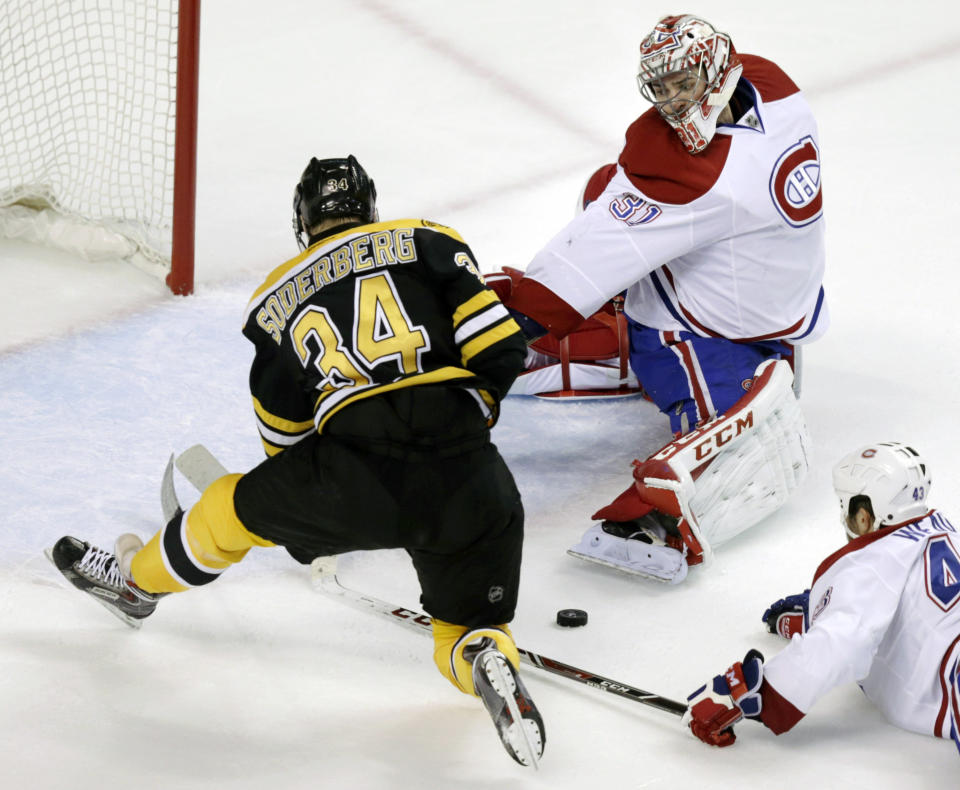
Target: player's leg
[(193, 549), (470, 575), (692, 378)]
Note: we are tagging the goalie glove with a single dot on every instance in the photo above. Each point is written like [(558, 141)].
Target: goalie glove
[(788, 616), (714, 708)]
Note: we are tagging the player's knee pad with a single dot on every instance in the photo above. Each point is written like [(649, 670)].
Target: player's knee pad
[(450, 640)]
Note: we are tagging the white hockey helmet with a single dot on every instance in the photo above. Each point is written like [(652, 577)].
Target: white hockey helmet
[(689, 45), (889, 479)]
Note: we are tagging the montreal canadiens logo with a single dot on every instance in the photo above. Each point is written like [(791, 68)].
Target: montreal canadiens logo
[(634, 210), (795, 184)]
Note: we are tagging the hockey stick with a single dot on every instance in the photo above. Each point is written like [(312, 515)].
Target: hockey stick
[(324, 576), (168, 494), (201, 468)]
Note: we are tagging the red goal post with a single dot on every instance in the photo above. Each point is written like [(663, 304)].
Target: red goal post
[(98, 129)]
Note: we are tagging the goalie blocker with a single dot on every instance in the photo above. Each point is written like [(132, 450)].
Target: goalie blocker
[(592, 361), (707, 486)]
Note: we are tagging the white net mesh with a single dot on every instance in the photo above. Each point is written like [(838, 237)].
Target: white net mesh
[(87, 122)]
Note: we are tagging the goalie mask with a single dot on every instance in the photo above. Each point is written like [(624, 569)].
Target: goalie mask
[(888, 479), (689, 71), (332, 188)]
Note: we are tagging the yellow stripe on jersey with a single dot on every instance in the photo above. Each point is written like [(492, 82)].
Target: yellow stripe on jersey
[(472, 305), (483, 341), (279, 423), (272, 449), (488, 398), (281, 273), (448, 373)]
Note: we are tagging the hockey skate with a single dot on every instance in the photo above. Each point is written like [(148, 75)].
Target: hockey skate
[(506, 699), (97, 573), (641, 547)]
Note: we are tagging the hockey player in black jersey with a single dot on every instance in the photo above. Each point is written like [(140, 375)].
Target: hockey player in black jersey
[(381, 359)]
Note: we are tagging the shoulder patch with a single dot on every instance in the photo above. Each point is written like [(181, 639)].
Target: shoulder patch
[(633, 210), (795, 183)]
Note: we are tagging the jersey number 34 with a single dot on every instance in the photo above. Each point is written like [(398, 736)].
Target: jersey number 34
[(382, 333)]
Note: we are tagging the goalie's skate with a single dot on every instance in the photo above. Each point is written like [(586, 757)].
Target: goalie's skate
[(97, 573), (640, 550), (506, 699)]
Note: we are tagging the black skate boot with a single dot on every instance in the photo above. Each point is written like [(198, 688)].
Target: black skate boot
[(508, 702), (96, 572)]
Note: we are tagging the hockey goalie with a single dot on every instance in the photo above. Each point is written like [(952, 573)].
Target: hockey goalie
[(710, 225), (700, 490)]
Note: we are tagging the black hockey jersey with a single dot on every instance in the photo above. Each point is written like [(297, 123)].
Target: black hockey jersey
[(396, 309)]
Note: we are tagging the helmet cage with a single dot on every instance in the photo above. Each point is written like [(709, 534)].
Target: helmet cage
[(331, 188), (889, 479), (688, 45)]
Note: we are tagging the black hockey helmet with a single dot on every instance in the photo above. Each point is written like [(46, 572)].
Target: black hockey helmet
[(331, 188)]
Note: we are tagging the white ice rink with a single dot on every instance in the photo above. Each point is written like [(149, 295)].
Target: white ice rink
[(486, 116)]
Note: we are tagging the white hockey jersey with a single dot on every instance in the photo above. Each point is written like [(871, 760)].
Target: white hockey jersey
[(728, 243), (884, 612)]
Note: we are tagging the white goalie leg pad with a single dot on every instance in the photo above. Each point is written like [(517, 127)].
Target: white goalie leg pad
[(654, 560), (749, 482), (737, 469)]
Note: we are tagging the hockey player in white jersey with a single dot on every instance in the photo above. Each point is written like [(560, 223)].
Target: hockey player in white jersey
[(711, 224), (883, 611)]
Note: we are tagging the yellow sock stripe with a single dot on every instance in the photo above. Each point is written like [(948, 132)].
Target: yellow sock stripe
[(150, 572), (216, 536), (450, 640), (194, 549)]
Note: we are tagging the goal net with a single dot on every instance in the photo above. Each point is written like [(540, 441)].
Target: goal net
[(98, 129)]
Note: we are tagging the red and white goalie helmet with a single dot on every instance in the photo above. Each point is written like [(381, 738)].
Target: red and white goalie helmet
[(687, 46), (889, 479)]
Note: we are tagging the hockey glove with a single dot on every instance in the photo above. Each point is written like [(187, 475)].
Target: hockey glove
[(713, 709), (789, 615)]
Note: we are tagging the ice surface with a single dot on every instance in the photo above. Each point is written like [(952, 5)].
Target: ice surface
[(487, 117)]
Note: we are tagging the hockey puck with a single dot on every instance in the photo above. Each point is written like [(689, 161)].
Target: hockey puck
[(571, 618)]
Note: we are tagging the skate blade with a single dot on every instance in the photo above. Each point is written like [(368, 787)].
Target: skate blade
[(522, 738), (132, 622), (625, 569)]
